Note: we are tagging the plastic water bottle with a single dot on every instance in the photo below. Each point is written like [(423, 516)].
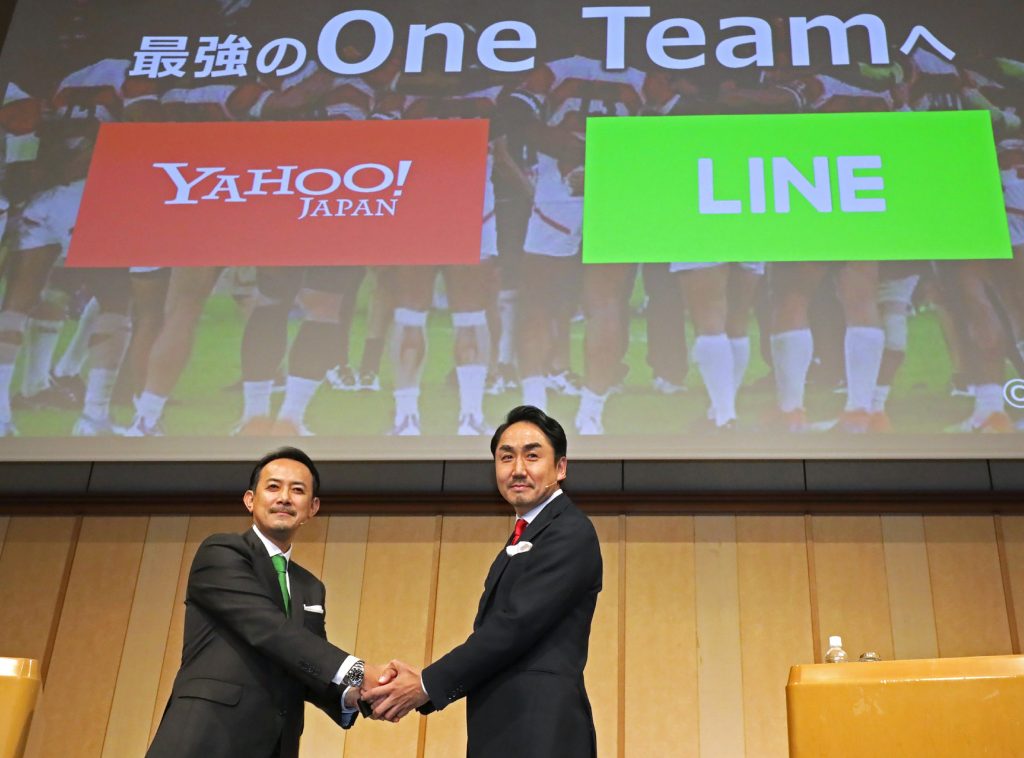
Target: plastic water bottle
[(835, 652)]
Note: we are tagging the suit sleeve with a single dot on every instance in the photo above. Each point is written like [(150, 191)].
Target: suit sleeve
[(224, 583), (562, 567)]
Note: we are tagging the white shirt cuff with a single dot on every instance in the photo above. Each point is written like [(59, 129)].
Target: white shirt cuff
[(348, 663), (344, 708)]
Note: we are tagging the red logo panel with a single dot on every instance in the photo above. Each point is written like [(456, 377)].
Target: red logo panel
[(284, 194)]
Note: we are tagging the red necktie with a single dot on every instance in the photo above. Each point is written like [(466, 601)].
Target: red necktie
[(520, 526)]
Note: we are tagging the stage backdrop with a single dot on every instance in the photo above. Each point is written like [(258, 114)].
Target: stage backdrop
[(722, 230)]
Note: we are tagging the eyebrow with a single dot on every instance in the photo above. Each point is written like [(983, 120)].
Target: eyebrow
[(527, 446)]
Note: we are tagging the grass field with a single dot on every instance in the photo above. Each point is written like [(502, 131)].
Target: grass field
[(920, 402)]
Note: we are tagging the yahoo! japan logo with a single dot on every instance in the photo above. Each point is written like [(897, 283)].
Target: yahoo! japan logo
[(323, 191)]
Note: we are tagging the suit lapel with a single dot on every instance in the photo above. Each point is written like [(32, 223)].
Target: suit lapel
[(533, 529), (265, 568)]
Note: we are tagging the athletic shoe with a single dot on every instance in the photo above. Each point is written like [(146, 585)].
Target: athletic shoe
[(8, 429), (589, 425), (285, 428), (70, 385), (407, 426), (879, 422), (54, 396), (139, 428), (565, 383), (997, 423), (342, 378), (794, 421), (369, 382), (851, 422), (663, 386), (86, 426), (256, 426), (472, 426)]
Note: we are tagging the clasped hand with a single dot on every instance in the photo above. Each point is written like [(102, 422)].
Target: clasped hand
[(394, 691)]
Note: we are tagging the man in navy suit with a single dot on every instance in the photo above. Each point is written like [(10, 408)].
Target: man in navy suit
[(521, 669), (255, 647)]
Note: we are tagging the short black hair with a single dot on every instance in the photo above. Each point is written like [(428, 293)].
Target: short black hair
[(291, 453), (551, 428)]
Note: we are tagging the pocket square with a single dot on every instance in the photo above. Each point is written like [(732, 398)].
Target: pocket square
[(313, 608), (519, 547)]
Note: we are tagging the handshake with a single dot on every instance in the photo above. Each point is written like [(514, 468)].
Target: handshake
[(389, 692)]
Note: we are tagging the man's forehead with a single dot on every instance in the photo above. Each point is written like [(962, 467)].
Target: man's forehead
[(523, 434), (286, 469)]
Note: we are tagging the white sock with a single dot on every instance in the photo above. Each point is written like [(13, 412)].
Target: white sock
[(298, 392), (15, 323), (150, 407), (507, 301), (70, 364), (591, 404), (535, 392), (407, 403), (792, 353), (6, 374), (740, 358), (256, 398), (988, 399), (879, 399), (713, 355), (472, 380), (864, 346), (40, 343), (99, 385)]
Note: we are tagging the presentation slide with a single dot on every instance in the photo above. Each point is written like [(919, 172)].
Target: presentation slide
[(686, 230)]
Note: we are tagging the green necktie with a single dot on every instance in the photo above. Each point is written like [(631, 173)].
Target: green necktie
[(281, 564)]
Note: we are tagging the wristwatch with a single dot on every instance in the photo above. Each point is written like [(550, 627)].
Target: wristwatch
[(354, 677)]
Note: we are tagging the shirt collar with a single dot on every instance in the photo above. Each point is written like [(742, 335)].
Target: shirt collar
[(531, 514), (272, 549)]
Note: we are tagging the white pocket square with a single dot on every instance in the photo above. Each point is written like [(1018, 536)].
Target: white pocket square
[(313, 608), (519, 547)]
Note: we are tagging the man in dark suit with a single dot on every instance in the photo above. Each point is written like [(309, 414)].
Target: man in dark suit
[(521, 670), (255, 647)]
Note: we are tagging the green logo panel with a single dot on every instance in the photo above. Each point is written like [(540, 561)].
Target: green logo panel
[(804, 187)]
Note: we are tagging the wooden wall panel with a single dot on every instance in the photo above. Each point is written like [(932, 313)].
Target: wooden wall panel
[(138, 677), (395, 617), (910, 587), (469, 545), (1013, 543), (33, 565), (775, 629), (851, 587), (660, 692), (967, 586), (602, 672), (343, 557), (719, 662), (723, 603), (90, 637), (199, 528)]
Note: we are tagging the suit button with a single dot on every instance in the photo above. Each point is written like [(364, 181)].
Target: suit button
[(283, 712)]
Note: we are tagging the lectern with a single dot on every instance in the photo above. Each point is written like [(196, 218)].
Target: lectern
[(949, 707), (19, 690)]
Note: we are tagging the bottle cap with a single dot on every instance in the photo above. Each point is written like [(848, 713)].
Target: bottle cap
[(835, 641)]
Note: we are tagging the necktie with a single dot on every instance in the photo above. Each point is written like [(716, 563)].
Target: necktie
[(281, 564), (520, 526)]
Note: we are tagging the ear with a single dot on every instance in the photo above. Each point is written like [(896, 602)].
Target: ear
[(314, 507), (247, 498), (560, 468)]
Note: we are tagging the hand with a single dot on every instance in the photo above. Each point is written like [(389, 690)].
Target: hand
[(394, 699)]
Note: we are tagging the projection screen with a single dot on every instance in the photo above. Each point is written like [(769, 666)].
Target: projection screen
[(686, 229)]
